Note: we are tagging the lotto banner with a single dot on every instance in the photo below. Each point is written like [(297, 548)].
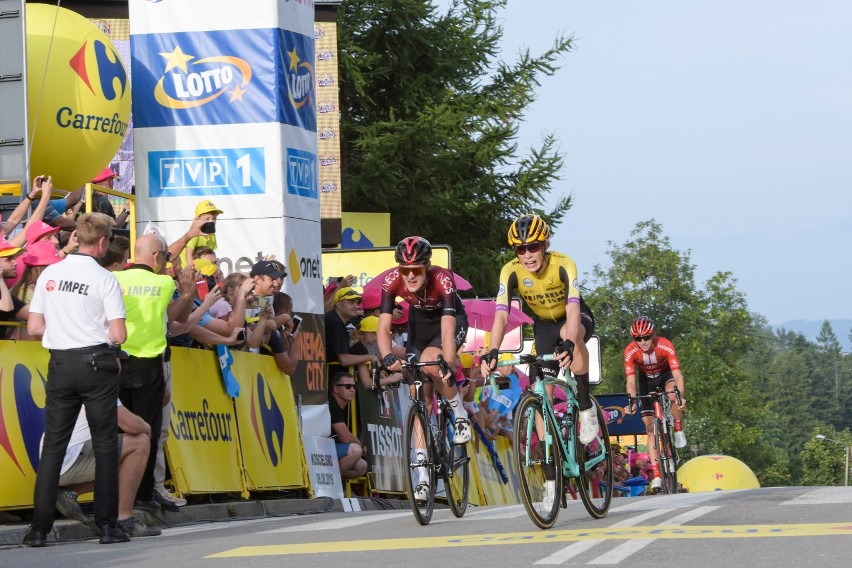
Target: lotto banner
[(203, 444), (23, 374), (268, 424), (380, 428), (225, 109)]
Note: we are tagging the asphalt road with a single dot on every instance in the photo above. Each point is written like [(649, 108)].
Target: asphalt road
[(770, 527)]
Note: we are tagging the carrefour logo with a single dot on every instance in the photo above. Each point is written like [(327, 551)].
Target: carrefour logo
[(267, 421), (189, 81), (300, 80), (107, 69)]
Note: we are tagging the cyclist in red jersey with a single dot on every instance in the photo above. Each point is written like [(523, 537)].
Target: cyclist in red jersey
[(437, 325), (655, 361)]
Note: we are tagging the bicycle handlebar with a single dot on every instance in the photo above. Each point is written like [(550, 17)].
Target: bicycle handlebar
[(440, 362), (657, 392)]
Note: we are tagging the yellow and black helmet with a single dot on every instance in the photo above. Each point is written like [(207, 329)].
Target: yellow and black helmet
[(528, 229)]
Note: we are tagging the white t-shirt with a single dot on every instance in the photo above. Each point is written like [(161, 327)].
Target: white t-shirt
[(77, 298), (79, 436)]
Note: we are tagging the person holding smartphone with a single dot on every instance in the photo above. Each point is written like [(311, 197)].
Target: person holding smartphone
[(279, 339), (206, 214)]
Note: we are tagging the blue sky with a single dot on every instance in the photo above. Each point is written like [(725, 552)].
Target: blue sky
[(728, 122)]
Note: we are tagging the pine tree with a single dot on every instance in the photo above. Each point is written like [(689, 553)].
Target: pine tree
[(429, 118)]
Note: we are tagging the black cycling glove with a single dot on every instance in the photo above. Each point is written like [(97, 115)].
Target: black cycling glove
[(565, 345), (492, 357), (390, 359)]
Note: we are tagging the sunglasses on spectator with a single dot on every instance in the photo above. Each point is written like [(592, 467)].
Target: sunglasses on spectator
[(532, 247), (415, 270), (165, 253), (347, 386), (643, 337)]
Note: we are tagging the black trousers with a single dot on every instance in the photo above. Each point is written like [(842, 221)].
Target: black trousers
[(141, 388), (72, 382)]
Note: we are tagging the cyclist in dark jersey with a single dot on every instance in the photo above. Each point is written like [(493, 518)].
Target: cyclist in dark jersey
[(437, 325), (547, 282)]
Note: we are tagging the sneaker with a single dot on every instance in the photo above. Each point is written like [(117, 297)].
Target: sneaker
[(680, 439), (66, 503), (421, 492), (656, 484), (462, 434), (133, 529), (589, 426), (111, 534), (166, 494), (165, 504)]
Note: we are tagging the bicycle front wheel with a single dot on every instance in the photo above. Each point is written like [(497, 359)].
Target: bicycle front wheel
[(595, 481), (667, 455), (419, 467), (539, 462), (456, 472)]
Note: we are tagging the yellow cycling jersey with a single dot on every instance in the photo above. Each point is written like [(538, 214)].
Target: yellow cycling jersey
[(546, 294)]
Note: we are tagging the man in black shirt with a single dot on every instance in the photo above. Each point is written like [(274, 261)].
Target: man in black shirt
[(347, 303), (350, 450)]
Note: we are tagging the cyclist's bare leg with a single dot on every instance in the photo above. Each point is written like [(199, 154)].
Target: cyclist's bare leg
[(653, 454), (419, 435), (450, 392), (580, 365)]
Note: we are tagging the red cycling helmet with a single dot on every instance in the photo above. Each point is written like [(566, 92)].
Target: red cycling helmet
[(642, 326), (413, 251)]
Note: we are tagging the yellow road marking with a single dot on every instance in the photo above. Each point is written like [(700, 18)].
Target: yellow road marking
[(615, 533)]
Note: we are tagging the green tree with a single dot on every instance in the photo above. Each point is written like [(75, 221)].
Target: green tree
[(712, 332), (429, 120)]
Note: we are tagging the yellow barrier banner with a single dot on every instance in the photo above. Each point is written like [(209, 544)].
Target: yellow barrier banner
[(494, 491), (270, 437), (23, 374), (203, 444)]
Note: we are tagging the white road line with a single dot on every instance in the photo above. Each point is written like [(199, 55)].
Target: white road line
[(630, 547), (577, 548), (823, 496), (342, 523)]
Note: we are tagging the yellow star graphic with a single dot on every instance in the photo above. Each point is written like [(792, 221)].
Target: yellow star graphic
[(177, 58), (237, 94), (294, 59)]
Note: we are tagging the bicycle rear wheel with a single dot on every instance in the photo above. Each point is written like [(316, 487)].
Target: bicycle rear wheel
[(539, 462), (419, 466), (667, 454), (456, 472), (595, 481)]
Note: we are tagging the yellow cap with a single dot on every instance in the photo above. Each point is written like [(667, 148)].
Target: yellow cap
[(205, 267), (370, 323), (506, 357), (466, 360), (346, 293), (206, 206)]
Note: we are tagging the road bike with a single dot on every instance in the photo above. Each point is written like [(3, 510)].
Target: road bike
[(551, 460), (662, 437), (428, 439)]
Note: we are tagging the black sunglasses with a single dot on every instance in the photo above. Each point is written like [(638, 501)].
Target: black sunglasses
[(532, 247), (643, 337), (347, 386), (165, 253)]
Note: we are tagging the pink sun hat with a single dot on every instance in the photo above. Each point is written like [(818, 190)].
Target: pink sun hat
[(42, 253), (39, 230)]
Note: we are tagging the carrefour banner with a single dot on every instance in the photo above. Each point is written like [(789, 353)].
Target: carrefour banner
[(268, 424), (23, 374), (203, 443)]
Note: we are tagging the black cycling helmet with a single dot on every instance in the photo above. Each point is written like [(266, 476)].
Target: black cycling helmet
[(642, 326), (413, 251), (528, 229)]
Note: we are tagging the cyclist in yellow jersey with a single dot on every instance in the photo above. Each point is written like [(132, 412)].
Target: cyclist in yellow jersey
[(547, 282)]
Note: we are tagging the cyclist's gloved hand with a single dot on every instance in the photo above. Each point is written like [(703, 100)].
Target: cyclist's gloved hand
[(566, 347), (491, 358), (389, 360)]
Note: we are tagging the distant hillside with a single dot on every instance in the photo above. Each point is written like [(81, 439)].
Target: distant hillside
[(810, 329)]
